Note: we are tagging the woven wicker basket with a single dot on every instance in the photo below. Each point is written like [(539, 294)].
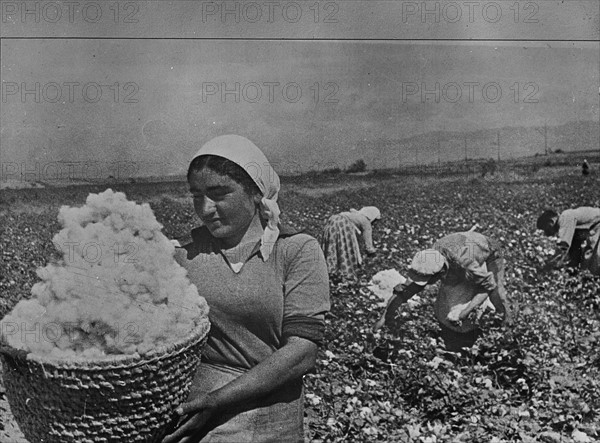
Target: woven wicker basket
[(125, 399)]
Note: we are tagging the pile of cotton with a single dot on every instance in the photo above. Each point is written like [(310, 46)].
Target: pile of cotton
[(452, 299), (455, 311), (116, 290), (382, 285)]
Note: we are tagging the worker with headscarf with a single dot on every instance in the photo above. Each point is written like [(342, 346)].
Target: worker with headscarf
[(471, 270), (340, 240), (267, 289), (585, 168), (578, 232)]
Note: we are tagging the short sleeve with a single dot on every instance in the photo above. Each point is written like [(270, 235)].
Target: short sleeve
[(471, 257), (306, 289), (480, 275), (567, 224), (366, 231)]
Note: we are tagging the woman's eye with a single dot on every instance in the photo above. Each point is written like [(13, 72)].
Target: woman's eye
[(219, 195)]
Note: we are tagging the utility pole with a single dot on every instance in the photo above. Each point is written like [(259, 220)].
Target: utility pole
[(466, 157), (545, 137), (498, 143), (545, 134)]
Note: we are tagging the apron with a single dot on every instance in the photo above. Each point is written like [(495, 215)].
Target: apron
[(340, 246), (454, 290), (278, 417)]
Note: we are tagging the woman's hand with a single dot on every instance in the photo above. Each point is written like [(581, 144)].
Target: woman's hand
[(297, 356), (401, 287), (378, 324), (193, 416), (559, 259), (464, 314), (454, 315)]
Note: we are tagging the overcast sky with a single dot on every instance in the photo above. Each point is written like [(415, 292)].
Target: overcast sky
[(302, 101)]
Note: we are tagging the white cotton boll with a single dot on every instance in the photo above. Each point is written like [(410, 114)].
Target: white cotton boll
[(65, 311), (116, 222), (68, 216), (29, 311), (190, 306), (160, 295), (382, 284), (41, 292), (44, 273), (64, 342), (166, 245), (146, 234), (117, 290), (65, 283), (182, 330), (38, 347), (146, 347)]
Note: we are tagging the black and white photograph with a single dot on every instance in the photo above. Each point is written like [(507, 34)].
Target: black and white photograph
[(299, 221)]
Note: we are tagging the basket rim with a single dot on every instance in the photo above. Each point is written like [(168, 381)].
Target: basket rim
[(199, 333)]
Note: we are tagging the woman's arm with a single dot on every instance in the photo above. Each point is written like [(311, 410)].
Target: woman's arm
[(558, 259), (473, 304), (367, 235), (365, 228), (290, 362), (402, 293)]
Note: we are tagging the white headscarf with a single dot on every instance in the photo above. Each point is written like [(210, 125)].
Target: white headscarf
[(371, 212), (246, 154)]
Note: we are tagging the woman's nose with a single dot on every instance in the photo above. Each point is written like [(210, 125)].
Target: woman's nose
[(204, 206)]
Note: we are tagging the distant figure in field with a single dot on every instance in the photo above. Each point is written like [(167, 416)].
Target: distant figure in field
[(578, 232), (340, 240), (471, 270), (585, 167)]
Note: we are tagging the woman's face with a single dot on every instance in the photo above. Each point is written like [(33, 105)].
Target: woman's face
[(551, 228), (222, 204)]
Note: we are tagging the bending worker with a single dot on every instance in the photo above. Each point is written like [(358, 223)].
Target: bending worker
[(578, 232), (340, 241), (471, 270)]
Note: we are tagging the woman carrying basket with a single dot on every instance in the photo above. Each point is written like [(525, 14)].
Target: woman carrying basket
[(340, 242), (268, 291)]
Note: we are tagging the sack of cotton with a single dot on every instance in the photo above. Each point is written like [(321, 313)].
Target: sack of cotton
[(106, 346)]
